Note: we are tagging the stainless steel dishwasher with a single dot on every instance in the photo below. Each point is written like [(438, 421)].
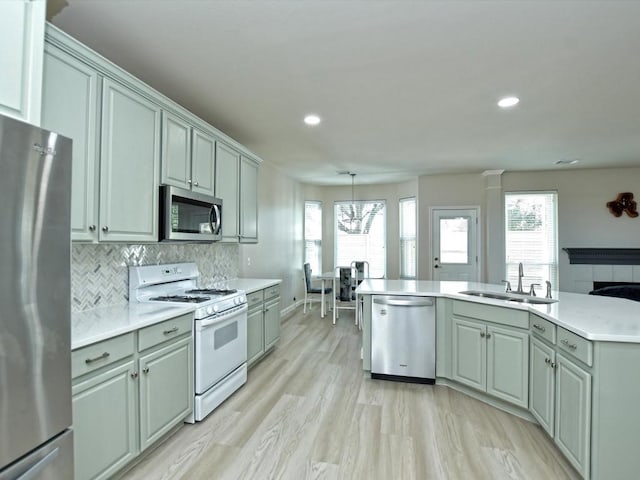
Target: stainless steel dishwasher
[(403, 338)]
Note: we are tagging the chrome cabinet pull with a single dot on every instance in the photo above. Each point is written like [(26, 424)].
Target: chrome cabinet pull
[(554, 364), (134, 375), (482, 334), (195, 184), (89, 361), (189, 181), (92, 228), (547, 360), (488, 335), (145, 370), (566, 343), (539, 327), (105, 229), (170, 331)]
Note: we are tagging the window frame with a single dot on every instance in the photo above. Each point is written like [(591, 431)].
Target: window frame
[(402, 239), (318, 203), (336, 232), (554, 266)]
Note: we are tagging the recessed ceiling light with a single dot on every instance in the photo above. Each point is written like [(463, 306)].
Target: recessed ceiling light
[(507, 102), (567, 161), (312, 119)]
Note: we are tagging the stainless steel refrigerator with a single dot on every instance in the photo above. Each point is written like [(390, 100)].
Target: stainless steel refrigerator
[(35, 333)]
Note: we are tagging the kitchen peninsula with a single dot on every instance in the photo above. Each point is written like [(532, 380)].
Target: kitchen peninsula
[(571, 365)]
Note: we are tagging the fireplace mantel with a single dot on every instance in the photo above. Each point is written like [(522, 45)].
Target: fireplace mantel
[(604, 256)]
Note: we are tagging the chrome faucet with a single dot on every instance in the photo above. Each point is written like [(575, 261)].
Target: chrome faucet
[(520, 275), (548, 289)]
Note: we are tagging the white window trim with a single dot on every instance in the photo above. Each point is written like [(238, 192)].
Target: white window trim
[(335, 230), (304, 221), (415, 238)]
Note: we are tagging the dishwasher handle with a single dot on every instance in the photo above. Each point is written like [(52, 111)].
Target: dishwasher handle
[(427, 302)]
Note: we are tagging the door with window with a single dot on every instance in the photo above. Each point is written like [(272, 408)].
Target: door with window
[(455, 244)]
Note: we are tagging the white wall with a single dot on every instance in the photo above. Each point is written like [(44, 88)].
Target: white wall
[(279, 252)]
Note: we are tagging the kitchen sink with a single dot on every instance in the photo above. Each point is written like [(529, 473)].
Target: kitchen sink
[(511, 297)]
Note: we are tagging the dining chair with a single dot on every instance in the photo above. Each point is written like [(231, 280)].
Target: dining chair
[(311, 293), (345, 295), (360, 269)]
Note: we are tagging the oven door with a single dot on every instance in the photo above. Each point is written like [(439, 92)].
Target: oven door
[(186, 215), (221, 346)]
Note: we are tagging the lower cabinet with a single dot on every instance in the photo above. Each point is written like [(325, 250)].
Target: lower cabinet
[(166, 389), (573, 413), (263, 322), (125, 398), (104, 422), (493, 359), (542, 384)]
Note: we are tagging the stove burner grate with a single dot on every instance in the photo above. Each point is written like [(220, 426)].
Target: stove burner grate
[(180, 298), (212, 291)]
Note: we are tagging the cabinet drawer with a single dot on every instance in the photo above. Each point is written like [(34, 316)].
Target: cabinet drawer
[(255, 298), (489, 313), (543, 328), (88, 359), (161, 332), (575, 345), (272, 292)]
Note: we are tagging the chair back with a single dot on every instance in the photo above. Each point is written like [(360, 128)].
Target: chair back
[(345, 284), (307, 276), (361, 270)]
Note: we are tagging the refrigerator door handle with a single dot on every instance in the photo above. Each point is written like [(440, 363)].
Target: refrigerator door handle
[(35, 471)]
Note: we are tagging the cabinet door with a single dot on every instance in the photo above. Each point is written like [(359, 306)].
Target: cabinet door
[(248, 201), (542, 384), (255, 335), (271, 323), (573, 414), (104, 423), (227, 166), (469, 353), (129, 165), (70, 107), (176, 152), (22, 40), (166, 389), (203, 161), (508, 365)]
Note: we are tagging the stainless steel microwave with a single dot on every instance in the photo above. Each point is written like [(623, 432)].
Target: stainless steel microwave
[(189, 216)]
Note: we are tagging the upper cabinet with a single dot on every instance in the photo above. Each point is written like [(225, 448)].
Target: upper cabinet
[(70, 96), (22, 38), (130, 158), (227, 186), (127, 140), (248, 201), (188, 156)]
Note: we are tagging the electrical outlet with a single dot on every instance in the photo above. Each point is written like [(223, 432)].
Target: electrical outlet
[(248, 261)]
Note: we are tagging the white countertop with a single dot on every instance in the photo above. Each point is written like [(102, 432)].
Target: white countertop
[(593, 317), (99, 324), (250, 285)]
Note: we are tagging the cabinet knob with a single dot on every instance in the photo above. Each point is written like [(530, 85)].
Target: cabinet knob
[(92, 228), (488, 335), (547, 360), (134, 375), (145, 370), (554, 364), (189, 181), (105, 229), (195, 184), (482, 334)]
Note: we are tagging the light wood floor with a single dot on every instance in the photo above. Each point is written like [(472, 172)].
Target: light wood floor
[(308, 411)]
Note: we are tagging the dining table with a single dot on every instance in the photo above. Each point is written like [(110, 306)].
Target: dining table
[(325, 277)]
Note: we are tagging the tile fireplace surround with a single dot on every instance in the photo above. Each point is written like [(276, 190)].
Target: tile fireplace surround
[(100, 273)]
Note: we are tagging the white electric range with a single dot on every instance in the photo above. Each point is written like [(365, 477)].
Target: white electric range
[(220, 330)]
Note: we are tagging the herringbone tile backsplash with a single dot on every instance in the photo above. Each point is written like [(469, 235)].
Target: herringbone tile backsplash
[(100, 273)]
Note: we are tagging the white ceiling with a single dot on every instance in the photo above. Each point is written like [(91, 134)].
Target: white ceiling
[(403, 87)]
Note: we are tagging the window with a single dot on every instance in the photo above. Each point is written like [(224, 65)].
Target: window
[(360, 234), (531, 237), (408, 238), (313, 235)]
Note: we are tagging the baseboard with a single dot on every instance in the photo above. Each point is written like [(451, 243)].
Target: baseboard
[(289, 310)]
